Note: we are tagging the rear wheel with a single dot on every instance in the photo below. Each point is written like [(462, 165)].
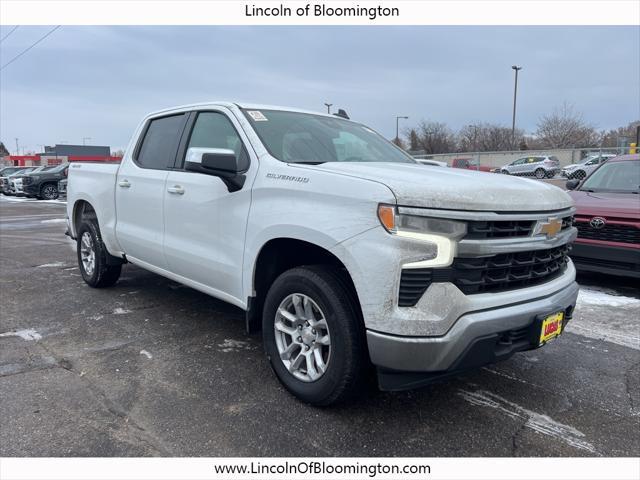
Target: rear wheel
[(92, 257), (540, 173), (313, 336), (49, 191)]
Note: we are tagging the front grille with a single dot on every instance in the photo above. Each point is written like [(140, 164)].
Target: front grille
[(499, 229), (609, 233), (478, 230), (497, 273)]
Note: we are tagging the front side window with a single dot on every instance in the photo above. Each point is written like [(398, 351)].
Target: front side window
[(215, 130), (621, 177), (295, 137), (160, 143)]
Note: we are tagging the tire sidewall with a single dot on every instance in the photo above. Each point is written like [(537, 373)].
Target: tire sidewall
[(322, 293), (54, 196), (92, 229), (538, 174)]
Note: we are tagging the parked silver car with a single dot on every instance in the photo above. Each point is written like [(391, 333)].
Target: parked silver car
[(585, 166), (533, 166)]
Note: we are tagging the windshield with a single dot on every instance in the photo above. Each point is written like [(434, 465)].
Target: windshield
[(621, 177), (306, 138)]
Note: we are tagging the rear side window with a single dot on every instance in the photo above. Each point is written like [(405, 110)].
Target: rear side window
[(160, 143), (215, 130)]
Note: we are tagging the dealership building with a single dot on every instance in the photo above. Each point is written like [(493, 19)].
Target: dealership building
[(62, 153)]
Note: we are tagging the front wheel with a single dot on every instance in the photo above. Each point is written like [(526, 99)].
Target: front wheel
[(313, 336), (49, 191), (92, 257), (504, 172)]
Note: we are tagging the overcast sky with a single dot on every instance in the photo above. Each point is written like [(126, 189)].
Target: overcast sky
[(99, 81)]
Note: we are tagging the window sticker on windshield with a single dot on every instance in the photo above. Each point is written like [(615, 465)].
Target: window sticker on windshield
[(257, 116)]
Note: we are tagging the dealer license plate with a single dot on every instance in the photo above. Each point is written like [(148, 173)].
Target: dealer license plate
[(551, 327)]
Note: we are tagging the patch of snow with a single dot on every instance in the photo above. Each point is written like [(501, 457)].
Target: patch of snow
[(230, 345), (588, 296), (28, 334), (54, 220), (602, 314), (146, 354), (120, 311), (48, 265), (535, 421)]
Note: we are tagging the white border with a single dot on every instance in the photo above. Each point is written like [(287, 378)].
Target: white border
[(203, 468), (232, 12)]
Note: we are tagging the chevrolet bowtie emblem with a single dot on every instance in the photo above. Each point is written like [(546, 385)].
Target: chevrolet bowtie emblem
[(551, 227)]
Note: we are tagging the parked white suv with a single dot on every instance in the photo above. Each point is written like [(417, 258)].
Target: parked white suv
[(342, 249), (585, 166), (533, 166)]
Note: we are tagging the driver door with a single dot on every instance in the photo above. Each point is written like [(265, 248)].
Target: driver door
[(205, 223)]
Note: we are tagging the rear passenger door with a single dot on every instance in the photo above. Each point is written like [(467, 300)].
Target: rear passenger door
[(140, 188), (205, 223)]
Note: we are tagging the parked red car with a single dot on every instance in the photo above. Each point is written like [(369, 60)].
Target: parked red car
[(608, 218), (469, 164)]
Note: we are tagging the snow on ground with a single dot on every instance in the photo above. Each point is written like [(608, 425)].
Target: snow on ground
[(6, 198), (28, 334), (54, 220), (604, 315), (51, 265)]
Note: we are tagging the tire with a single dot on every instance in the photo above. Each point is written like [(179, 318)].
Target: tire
[(90, 245), (580, 174), (540, 173), (49, 191), (504, 172), (322, 290), (551, 174)]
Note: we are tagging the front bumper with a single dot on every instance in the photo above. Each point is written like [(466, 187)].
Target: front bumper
[(606, 259), (31, 189), (476, 339)]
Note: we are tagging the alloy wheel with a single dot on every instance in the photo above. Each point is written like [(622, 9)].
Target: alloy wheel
[(87, 253), (302, 337)]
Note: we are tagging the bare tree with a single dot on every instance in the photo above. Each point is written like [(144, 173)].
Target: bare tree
[(398, 141), (566, 128), (612, 137), (414, 141), (486, 137), (435, 137)]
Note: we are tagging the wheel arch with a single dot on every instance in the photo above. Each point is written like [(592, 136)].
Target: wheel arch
[(281, 254)]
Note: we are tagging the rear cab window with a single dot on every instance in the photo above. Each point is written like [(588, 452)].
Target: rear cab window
[(160, 143)]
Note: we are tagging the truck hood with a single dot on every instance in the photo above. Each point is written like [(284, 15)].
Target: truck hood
[(451, 188), (603, 204)]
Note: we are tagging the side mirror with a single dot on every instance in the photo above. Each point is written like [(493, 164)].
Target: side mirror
[(572, 184), (219, 162)]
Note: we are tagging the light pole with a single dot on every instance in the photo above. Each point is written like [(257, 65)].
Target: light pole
[(328, 105), (84, 139), (475, 145), (516, 68), (397, 128)]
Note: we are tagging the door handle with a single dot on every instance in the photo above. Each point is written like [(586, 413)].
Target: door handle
[(124, 183), (177, 189)]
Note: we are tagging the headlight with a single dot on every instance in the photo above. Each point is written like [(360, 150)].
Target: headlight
[(443, 233)]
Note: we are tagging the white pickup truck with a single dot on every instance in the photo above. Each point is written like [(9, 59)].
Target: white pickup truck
[(342, 249)]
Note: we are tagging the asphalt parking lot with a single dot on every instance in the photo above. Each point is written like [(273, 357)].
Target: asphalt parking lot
[(150, 367)]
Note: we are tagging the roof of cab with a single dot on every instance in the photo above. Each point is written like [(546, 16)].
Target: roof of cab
[(251, 106)]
